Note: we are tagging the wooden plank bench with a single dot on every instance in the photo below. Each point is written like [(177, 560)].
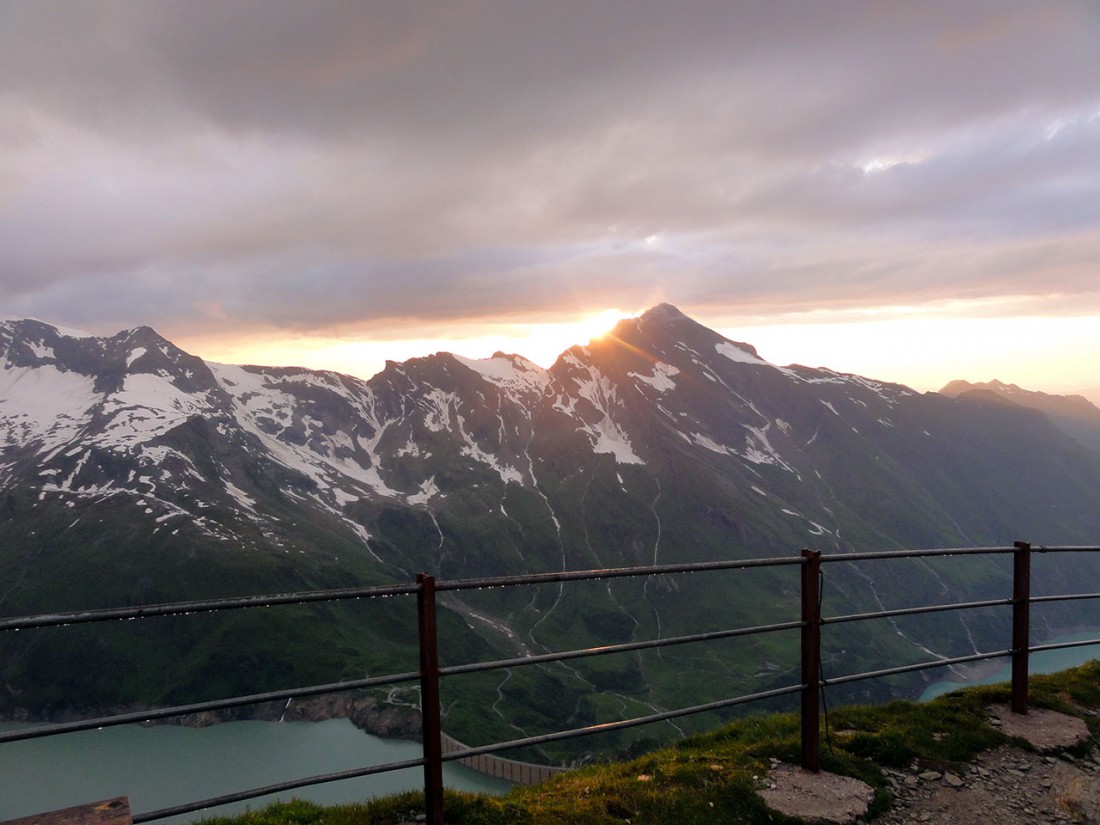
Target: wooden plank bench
[(108, 812)]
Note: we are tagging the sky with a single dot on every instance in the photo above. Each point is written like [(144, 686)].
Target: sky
[(905, 190)]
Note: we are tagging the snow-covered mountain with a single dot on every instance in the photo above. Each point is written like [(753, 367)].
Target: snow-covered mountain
[(132, 471)]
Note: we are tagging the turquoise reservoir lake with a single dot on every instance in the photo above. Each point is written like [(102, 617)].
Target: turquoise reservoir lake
[(1046, 661), (161, 766)]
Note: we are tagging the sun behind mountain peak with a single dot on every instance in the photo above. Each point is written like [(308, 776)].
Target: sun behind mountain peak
[(599, 324)]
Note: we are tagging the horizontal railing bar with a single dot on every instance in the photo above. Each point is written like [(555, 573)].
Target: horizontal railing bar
[(279, 787), (237, 603), (305, 597), (206, 606), (876, 674), (1038, 548), (913, 554), (1063, 645), (625, 723), (914, 611), (613, 573), (478, 667), (200, 707), (1069, 597)]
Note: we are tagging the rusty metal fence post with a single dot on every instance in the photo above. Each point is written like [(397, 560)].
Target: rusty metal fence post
[(811, 659), (429, 699), (1021, 618)]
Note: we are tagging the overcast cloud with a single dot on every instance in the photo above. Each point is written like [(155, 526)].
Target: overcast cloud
[(204, 165)]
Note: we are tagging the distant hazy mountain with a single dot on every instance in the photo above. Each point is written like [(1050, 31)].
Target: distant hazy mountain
[(132, 472), (1073, 414), (1091, 394)]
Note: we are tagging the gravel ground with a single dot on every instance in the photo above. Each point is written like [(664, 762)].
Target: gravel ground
[(1008, 785)]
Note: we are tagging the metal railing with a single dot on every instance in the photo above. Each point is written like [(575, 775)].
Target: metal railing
[(430, 672)]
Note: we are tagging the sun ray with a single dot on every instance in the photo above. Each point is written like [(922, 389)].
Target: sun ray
[(598, 324)]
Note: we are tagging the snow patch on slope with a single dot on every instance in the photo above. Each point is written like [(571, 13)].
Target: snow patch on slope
[(710, 444), (471, 449), (738, 355), (428, 491), (257, 396), (44, 403), (62, 331), (661, 380), (889, 394), (511, 373), (610, 439), (759, 450), (437, 415), (147, 405), (605, 435)]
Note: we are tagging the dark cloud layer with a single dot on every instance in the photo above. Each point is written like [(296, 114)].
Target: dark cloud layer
[(190, 164)]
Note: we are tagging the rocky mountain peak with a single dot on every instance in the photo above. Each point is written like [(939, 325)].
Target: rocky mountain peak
[(665, 313), (33, 343), (666, 331), (957, 387)]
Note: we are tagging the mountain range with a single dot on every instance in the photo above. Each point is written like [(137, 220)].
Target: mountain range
[(132, 472), (1075, 415)]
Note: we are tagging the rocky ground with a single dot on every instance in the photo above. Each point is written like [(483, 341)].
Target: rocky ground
[(1009, 785)]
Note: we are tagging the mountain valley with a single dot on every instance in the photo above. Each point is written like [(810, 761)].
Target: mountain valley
[(132, 472)]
